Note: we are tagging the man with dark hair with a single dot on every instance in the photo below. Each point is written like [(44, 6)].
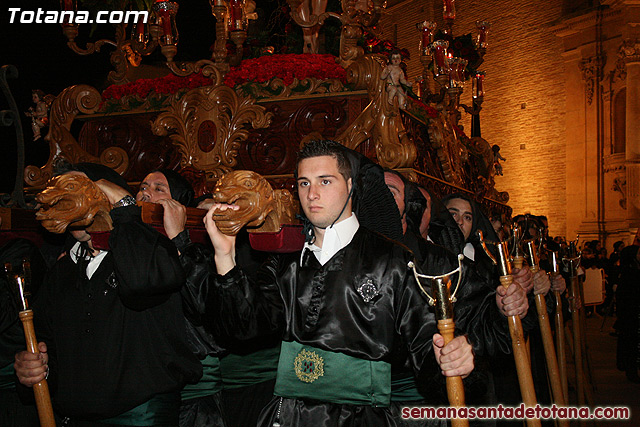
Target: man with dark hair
[(113, 332), (342, 305), (326, 148)]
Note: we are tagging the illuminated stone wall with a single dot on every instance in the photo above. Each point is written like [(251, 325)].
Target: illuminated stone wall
[(524, 107)]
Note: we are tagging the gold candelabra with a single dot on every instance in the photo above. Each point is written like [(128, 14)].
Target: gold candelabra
[(157, 27), (449, 72)]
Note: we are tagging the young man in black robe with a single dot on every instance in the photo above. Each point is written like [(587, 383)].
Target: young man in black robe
[(343, 305), (111, 324), (479, 311)]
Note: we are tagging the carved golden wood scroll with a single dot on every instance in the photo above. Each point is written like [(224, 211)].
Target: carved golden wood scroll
[(451, 152), (73, 200), (276, 88), (208, 69), (62, 144), (380, 120), (208, 125)]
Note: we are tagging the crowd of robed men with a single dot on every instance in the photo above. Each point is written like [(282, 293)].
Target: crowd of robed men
[(123, 331)]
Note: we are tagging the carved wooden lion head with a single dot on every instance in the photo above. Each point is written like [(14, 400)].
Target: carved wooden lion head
[(73, 200), (251, 192)]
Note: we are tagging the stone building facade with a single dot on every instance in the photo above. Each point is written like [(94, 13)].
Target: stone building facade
[(557, 102)]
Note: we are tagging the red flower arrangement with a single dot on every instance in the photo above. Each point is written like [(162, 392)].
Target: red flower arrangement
[(287, 67), (164, 85)]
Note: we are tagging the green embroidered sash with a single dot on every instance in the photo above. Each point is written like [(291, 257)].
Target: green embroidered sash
[(312, 373)]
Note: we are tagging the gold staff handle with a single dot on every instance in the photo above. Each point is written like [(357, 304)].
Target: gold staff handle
[(562, 353), (443, 301), (559, 323)]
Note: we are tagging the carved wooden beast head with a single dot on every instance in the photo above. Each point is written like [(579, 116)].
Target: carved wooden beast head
[(260, 206), (73, 200)]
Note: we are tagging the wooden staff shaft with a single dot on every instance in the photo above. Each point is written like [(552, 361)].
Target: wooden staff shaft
[(41, 389), (562, 355), (549, 350), (523, 367), (577, 336), (550, 355), (455, 388)]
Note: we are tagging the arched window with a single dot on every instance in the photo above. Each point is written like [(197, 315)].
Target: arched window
[(619, 121)]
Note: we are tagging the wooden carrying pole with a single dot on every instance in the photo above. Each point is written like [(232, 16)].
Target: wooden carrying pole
[(523, 366), (547, 339), (446, 327)]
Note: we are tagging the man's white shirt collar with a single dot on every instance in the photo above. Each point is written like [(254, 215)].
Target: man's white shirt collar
[(336, 237), (94, 262), (469, 251)]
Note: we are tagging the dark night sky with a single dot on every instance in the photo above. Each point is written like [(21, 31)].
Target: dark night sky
[(44, 62)]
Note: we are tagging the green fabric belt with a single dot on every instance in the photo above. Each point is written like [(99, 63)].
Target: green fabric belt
[(7, 378), (312, 373), (248, 369), (161, 409), (210, 383), (403, 389)]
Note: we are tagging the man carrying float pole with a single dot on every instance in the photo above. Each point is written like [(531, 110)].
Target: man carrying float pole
[(342, 305)]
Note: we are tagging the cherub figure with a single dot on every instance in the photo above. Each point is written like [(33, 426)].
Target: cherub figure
[(39, 115), (394, 75), (497, 167)]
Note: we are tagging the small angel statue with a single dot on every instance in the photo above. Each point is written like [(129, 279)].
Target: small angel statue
[(39, 115), (497, 167), (394, 76)]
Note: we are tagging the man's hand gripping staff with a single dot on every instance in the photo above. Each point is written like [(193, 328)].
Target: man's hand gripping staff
[(442, 300)]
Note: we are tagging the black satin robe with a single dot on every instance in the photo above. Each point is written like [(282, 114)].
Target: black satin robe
[(321, 307), (246, 401), (116, 340)]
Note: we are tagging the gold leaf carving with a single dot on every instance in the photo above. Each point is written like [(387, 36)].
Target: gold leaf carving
[(228, 112), (276, 88), (451, 152), (380, 120), (62, 144)]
